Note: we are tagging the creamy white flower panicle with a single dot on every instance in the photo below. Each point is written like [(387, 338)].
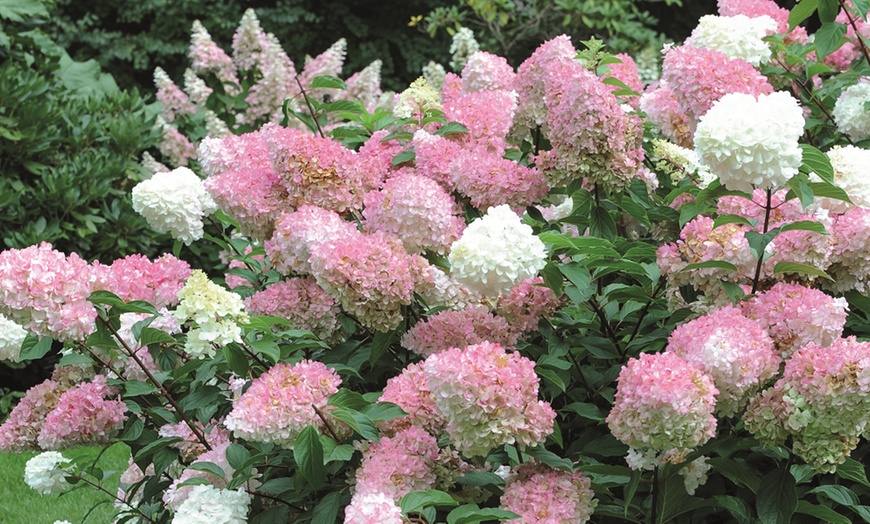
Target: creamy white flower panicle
[(749, 142), (45, 472), (174, 203), (418, 98), (849, 112), (215, 311), (11, 337), (495, 252), (210, 505), (372, 507), (735, 36), (852, 173), (464, 45)]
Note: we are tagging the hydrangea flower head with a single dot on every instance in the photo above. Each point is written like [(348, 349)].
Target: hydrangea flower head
[(459, 329), (531, 82), (20, 430), (371, 507), (487, 72), (737, 36), (207, 57), (849, 112), (489, 180), (297, 233), (216, 312), (174, 203), (397, 465), (280, 403), (45, 472), (538, 493), (12, 336), (850, 259), (751, 142), (489, 398), (735, 350), (417, 100), (83, 416), (301, 302), (527, 303), (136, 278), (663, 403), (211, 505), (410, 391), (495, 252)]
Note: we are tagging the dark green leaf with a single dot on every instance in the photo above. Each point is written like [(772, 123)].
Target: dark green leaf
[(326, 510), (451, 128), (721, 220), (823, 513), (132, 430), (380, 343), (549, 458), (829, 38), (711, 264), (853, 470), (602, 224), (404, 157), (415, 501), (804, 269), (34, 348), (359, 422), (135, 388), (800, 12), (736, 507), (776, 499), (236, 360), (828, 10), (21, 10), (209, 467), (738, 472), (814, 161), (277, 486), (839, 494), (804, 225), (475, 477), (328, 82), (585, 410), (237, 455), (345, 398), (471, 513), (383, 411), (308, 453)]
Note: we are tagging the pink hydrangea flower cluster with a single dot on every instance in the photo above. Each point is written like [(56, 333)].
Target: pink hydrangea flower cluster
[(375, 156), (207, 57), (25, 421), (486, 114), (487, 72), (435, 154), (176, 494), (314, 170), (626, 72), (371, 276), (662, 109), (176, 148), (538, 494), (459, 329), (417, 210), (365, 86), (253, 197), (136, 278), (489, 180), (83, 416), (301, 302), (372, 508), (591, 134), (249, 41), (822, 401), (526, 303), (531, 83), (796, 316), (297, 233), (735, 350), (170, 96), (489, 398), (698, 77), (327, 63), (46, 292), (397, 465), (218, 155), (447, 292), (850, 259), (280, 403), (663, 403), (410, 391)]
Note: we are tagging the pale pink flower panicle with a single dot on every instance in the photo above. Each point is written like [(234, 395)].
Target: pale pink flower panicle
[(459, 329), (371, 276), (489, 398), (46, 292), (301, 302), (796, 315), (538, 493), (486, 114), (417, 210), (487, 72), (735, 350), (136, 278), (280, 403), (397, 465), (663, 403), (20, 430), (170, 96), (526, 303), (207, 57), (531, 83), (298, 233), (83, 416), (253, 197), (410, 391), (489, 180)]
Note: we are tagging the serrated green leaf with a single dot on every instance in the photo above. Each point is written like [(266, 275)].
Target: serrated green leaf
[(776, 500), (451, 128), (209, 467), (823, 513), (804, 225), (800, 12), (721, 220), (814, 161), (711, 264), (829, 38), (34, 348), (853, 470), (471, 513), (237, 455)]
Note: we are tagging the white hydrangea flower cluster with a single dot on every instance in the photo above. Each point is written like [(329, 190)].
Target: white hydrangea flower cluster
[(495, 252), (45, 472), (372, 507), (11, 337), (215, 311), (174, 203), (464, 45), (678, 161), (749, 142), (210, 505), (849, 112), (434, 73), (851, 173), (417, 99), (735, 36)]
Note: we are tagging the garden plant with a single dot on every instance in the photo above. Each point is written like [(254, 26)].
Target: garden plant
[(548, 294)]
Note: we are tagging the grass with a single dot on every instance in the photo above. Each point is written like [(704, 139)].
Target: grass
[(19, 504)]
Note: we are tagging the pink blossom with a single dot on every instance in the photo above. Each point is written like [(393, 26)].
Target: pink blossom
[(540, 494), (248, 151), (434, 157), (252, 197), (459, 329), (301, 302), (190, 446), (207, 57), (170, 96), (486, 72), (526, 303), (660, 104), (489, 180), (489, 398), (626, 72), (850, 259), (174, 146), (410, 391), (46, 292), (25, 421), (663, 402), (397, 465), (735, 350), (417, 210), (137, 278), (83, 416), (280, 403), (532, 79), (298, 233), (486, 114), (371, 276), (375, 157)]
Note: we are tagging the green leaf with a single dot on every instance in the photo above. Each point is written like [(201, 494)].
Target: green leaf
[(828, 10), (134, 388), (34, 348), (829, 38), (814, 161), (711, 264), (801, 12), (327, 510), (738, 472), (801, 189), (758, 242), (383, 411), (736, 507), (20, 10), (478, 478), (237, 455), (451, 128), (471, 513), (804, 225), (853, 470), (266, 347), (735, 293), (380, 342), (823, 189), (277, 486), (308, 452), (405, 156), (209, 467), (823, 513), (839, 494), (586, 410), (415, 501), (346, 106), (236, 360), (132, 430), (804, 269), (601, 224), (721, 220), (577, 274), (345, 398), (328, 82), (359, 422), (776, 499), (549, 458)]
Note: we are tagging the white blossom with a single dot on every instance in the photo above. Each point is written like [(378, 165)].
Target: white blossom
[(210, 505), (851, 116), (735, 36), (174, 203), (45, 472)]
